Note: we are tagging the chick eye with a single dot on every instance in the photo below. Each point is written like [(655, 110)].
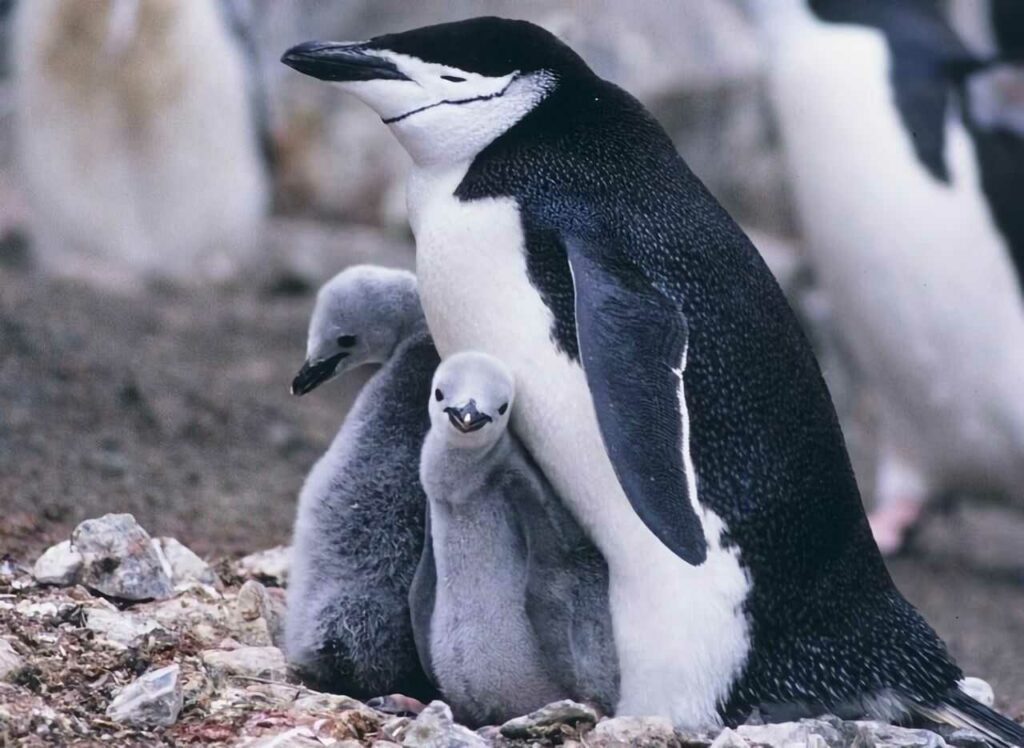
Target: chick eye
[(438, 395), (502, 409), (346, 341), (453, 78)]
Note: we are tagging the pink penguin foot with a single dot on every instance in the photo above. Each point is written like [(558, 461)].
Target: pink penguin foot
[(891, 522), (396, 703)]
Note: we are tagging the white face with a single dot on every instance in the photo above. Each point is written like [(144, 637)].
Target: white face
[(444, 114), (471, 400)]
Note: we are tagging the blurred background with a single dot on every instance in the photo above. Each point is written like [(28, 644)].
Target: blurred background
[(171, 197)]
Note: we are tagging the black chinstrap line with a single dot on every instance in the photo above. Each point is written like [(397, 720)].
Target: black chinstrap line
[(453, 102)]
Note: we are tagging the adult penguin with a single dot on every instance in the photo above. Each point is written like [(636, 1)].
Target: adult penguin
[(907, 158), (665, 387)]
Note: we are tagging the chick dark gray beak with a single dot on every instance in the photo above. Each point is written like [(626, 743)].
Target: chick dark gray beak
[(467, 418), (314, 373), (341, 61)]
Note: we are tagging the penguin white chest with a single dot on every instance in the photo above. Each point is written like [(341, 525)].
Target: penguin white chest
[(680, 633)]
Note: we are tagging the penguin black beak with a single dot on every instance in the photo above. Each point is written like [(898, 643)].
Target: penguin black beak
[(467, 418), (313, 374), (341, 61)]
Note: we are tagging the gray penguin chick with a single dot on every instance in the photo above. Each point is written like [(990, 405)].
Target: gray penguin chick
[(510, 601), (360, 526)]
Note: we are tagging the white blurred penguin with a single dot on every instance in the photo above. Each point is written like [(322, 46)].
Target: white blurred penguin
[(907, 161), (137, 141)]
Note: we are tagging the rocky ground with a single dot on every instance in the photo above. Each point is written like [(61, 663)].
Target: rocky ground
[(116, 638)]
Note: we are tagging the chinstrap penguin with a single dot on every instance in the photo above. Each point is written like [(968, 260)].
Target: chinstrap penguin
[(907, 157), (510, 602), (664, 386), (359, 529), (136, 141)]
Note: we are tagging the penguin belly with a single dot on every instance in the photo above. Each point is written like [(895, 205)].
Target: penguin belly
[(921, 279), (680, 631)]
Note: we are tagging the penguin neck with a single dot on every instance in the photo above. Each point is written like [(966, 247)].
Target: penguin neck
[(410, 330), (457, 476)]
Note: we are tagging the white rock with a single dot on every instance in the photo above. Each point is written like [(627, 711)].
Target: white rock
[(549, 719), (804, 733), (154, 700), (119, 559), (729, 739), (117, 627), (978, 690), (654, 732), (182, 565), (257, 618), (880, 733), (204, 615), (10, 661), (435, 728), (269, 566), (59, 565), (255, 662)]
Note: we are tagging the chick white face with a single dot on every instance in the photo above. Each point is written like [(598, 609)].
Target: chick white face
[(440, 113), (471, 400), (360, 316)]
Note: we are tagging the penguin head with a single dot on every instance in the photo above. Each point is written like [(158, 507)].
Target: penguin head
[(471, 399), (360, 316), (448, 90)]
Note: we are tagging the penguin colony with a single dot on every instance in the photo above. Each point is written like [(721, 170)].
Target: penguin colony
[(663, 391), (138, 146), (906, 162)]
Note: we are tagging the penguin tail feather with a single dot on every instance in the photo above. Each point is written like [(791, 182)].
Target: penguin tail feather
[(960, 710)]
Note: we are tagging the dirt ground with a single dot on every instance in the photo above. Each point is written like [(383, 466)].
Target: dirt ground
[(175, 407)]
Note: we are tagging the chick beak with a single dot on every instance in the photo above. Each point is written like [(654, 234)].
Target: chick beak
[(314, 373), (467, 418)]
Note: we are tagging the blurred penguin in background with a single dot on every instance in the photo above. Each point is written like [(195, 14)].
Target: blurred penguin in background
[(137, 140), (906, 153)]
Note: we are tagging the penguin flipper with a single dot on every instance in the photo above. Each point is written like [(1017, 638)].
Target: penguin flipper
[(632, 341)]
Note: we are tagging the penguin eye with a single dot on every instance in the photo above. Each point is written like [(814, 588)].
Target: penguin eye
[(453, 78), (346, 341), (502, 409), (438, 395)]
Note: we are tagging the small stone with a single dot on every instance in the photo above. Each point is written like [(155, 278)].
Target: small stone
[(11, 663), (978, 690), (200, 611), (327, 702), (119, 559), (656, 732), (269, 566), (804, 732), (154, 700), (254, 662), (967, 738), (729, 738), (257, 618), (871, 732), (435, 728), (58, 565), (185, 567), (549, 720), (120, 628)]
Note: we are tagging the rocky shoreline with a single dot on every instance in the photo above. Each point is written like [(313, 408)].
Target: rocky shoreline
[(118, 638)]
